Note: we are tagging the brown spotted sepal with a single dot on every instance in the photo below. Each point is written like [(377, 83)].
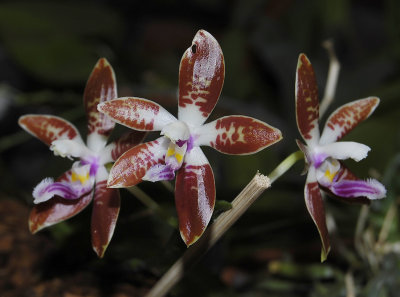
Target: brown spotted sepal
[(100, 87), (201, 76), (346, 118), (48, 128), (315, 207), (307, 105), (194, 196), (106, 205), (137, 113), (238, 135)]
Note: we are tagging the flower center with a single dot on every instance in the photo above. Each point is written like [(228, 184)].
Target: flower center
[(179, 134), (180, 142), (81, 174), (327, 172)]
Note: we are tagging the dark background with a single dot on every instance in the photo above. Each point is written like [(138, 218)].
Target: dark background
[(47, 51)]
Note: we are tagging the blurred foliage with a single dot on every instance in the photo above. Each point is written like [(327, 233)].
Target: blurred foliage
[(47, 50)]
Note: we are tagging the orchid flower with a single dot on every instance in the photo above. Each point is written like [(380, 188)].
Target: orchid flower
[(323, 153), (201, 76), (59, 200)]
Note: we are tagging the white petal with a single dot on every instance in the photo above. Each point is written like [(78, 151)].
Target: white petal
[(345, 150), (106, 155), (101, 174), (96, 142), (69, 148), (196, 157)]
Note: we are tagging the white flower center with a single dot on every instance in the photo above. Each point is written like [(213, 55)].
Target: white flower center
[(327, 172), (178, 132)]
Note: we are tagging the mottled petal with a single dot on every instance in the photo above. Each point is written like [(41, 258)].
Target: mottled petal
[(315, 207), (371, 188), (344, 150), (201, 76), (307, 106), (101, 86), (194, 195), (49, 128), (115, 149), (137, 113), (106, 205), (57, 209), (237, 135), (346, 117), (130, 168)]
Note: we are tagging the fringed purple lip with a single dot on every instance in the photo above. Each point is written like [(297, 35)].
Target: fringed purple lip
[(372, 189), (47, 189)]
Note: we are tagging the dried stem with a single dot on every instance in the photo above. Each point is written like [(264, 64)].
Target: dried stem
[(239, 205), (331, 82), (349, 283)]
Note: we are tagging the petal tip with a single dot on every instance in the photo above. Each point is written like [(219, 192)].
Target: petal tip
[(115, 182), (189, 240), (324, 253), (100, 251), (33, 228)]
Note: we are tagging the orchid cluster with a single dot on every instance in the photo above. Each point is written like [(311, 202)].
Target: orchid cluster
[(176, 154)]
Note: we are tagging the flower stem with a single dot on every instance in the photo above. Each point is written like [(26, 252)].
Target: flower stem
[(239, 205), (285, 165)]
